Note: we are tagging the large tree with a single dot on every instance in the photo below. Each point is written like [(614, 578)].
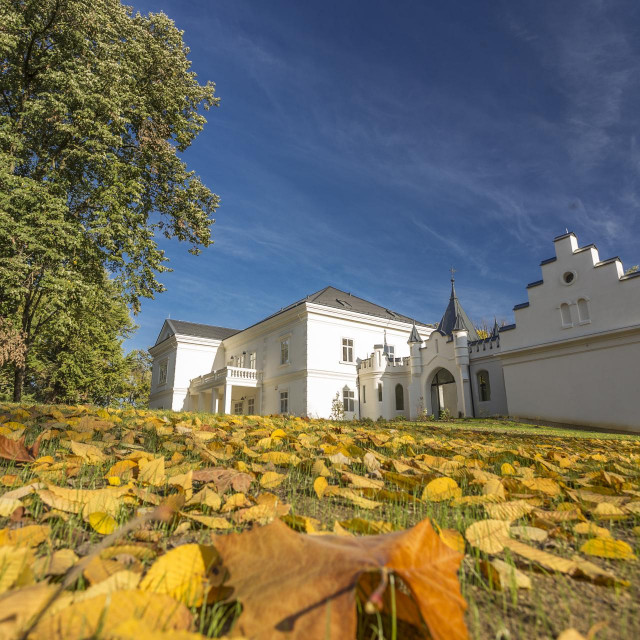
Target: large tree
[(97, 104)]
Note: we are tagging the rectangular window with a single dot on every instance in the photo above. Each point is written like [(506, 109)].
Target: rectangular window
[(284, 402), (251, 406), (162, 373), (379, 391), (252, 360), (364, 394), (241, 361), (391, 352), (347, 350), (284, 351), (348, 399), (237, 408)]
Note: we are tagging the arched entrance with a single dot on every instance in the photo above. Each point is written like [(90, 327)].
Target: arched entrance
[(444, 395)]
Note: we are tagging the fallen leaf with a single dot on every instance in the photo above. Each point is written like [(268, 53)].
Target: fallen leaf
[(441, 489), (180, 573), (271, 479), (608, 548), (315, 593), (14, 450), (84, 619), (489, 536), (103, 523), (502, 576), (320, 485), (153, 472)]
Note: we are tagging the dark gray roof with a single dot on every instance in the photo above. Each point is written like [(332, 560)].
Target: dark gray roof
[(415, 336), (455, 318), (196, 329), (337, 299)]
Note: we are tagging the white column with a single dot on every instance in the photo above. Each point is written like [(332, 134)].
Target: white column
[(227, 398)]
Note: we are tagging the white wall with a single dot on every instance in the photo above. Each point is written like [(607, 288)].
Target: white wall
[(328, 373), (593, 383), (584, 372), (187, 357)]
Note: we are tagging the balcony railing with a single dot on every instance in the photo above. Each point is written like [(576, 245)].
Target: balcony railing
[(236, 375)]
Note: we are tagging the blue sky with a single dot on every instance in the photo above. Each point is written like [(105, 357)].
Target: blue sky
[(372, 145)]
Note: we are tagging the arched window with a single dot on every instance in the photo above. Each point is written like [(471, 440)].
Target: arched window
[(565, 313), (583, 310), (484, 386), (399, 398)]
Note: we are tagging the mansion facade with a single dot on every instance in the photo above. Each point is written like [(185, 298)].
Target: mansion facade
[(571, 357)]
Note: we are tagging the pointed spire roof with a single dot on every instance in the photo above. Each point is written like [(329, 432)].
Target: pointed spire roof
[(415, 336), (496, 329), (455, 318)]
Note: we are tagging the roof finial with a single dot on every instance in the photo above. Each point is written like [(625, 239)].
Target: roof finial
[(452, 276)]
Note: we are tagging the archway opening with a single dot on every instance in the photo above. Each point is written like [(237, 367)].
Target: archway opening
[(444, 395)]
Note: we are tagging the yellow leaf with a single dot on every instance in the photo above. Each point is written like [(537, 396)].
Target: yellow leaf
[(55, 565), (547, 486), (509, 510), (103, 523), (13, 563), (544, 559), (135, 629), (502, 576), (153, 472), (118, 581), (122, 469), (507, 470), (210, 521), (88, 452), (180, 573), (489, 536), (271, 479), (352, 496), (493, 487), (608, 548), (8, 506), (320, 485), (280, 458), (157, 611), (452, 539), (372, 527), (235, 501), (608, 511), (590, 529), (29, 536), (441, 489), (530, 534), (361, 483)]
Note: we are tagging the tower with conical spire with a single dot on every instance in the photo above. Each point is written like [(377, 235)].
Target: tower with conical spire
[(455, 317)]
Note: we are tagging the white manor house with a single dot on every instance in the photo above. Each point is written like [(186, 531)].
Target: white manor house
[(571, 357)]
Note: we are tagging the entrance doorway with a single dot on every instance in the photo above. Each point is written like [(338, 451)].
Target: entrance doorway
[(444, 395)]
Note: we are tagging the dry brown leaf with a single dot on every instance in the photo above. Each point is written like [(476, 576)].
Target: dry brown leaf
[(14, 450), (224, 478), (314, 596)]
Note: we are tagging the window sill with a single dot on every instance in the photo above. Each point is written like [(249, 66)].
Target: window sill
[(347, 362), (284, 365), (567, 326), (584, 322)]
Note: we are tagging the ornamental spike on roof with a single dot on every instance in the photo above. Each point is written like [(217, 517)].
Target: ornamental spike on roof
[(455, 318), (415, 336)]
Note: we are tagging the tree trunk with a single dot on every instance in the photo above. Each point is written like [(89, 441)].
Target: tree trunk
[(18, 382)]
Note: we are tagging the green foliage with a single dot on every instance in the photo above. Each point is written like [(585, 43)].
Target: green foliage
[(98, 103)]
